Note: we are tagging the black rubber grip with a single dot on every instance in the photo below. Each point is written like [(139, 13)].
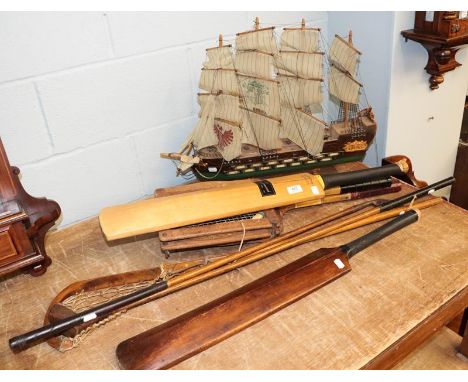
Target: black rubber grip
[(374, 236), (24, 341), (398, 202), (365, 186), (360, 176)]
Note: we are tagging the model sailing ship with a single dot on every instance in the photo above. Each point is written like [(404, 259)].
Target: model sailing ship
[(259, 107)]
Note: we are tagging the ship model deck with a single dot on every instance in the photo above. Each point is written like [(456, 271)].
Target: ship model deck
[(262, 109)]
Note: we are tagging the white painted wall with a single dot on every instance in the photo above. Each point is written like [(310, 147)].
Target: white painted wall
[(89, 100), (424, 124)]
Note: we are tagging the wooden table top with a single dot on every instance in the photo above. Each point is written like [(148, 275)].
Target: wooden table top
[(398, 291)]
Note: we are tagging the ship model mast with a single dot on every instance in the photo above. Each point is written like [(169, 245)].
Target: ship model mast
[(257, 106), (300, 71), (343, 85)]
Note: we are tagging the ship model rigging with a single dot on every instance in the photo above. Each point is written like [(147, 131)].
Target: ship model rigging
[(260, 107)]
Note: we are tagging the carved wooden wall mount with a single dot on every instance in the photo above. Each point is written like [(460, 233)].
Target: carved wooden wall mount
[(442, 37), (441, 53)]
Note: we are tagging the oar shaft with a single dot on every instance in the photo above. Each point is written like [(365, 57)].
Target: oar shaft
[(273, 242), (387, 215), (305, 239), (296, 241)]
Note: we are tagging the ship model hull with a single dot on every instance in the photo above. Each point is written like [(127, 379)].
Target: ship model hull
[(341, 146)]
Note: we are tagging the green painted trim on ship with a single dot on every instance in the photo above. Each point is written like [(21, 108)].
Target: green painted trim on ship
[(276, 171)]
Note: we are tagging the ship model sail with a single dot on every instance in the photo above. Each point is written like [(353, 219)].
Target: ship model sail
[(262, 107)]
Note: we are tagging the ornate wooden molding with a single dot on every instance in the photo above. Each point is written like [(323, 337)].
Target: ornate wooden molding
[(24, 223), (442, 33), (441, 53)]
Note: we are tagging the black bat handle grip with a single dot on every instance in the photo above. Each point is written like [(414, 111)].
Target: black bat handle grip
[(393, 203), (405, 219), (360, 176)]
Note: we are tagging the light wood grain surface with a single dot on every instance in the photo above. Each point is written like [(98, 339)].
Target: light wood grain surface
[(393, 287)]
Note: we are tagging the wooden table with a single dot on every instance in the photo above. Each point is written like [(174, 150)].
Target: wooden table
[(439, 352), (399, 292)]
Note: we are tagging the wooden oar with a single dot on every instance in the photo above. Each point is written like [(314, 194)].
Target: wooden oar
[(274, 246), (193, 332)]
